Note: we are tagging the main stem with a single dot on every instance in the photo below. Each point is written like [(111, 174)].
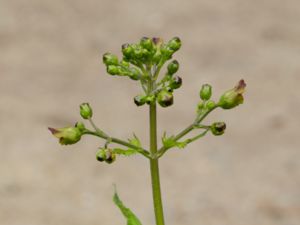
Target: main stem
[(154, 167)]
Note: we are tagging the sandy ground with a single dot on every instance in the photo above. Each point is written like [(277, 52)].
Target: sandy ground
[(50, 62)]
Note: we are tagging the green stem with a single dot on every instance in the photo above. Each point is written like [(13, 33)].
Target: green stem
[(188, 129), (154, 167), (119, 141)]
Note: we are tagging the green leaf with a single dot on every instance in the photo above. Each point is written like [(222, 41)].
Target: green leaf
[(169, 142), (128, 214)]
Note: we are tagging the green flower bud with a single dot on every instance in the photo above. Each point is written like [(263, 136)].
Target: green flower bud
[(101, 154), (205, 92), (233, 97), (113, 70), (210, 104), (110, 59), (80, 126), (157, 56), (127, 51), (175, 82), (166, 52), (67, 135), (135, 74), (200, 106), (110, 156), (174, 44), (218, 128), (165, 98), (146, 43), (124, 63), (140, 100), (86, 111), (173, 67), (138, 52)]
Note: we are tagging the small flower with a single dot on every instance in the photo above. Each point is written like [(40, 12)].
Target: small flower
[(233, 97), (67, 135), (86, 111)]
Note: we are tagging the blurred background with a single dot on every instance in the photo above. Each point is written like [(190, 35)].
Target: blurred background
[(51, 61)]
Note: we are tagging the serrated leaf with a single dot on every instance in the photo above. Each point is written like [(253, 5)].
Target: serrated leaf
[(128, 214), (128, 152)]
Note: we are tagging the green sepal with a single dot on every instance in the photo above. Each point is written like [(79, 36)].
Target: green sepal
[(135, 141), (128, 214), (169, 142)]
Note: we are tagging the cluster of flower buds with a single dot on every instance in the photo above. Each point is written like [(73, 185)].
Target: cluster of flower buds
[(228, 100), (106, 155), (142, 61)]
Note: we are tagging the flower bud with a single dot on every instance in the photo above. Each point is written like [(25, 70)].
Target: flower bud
[(166, 52), (175, 82), (127, 51), (110, 156), (101, 154), (200, 106), (173, 67), (110, 59), (210, 104), (140, 100), (124, 63), (67, 135), (205, 92), (146, 43), (86, 111), (165, 98), (113, 70), (174, 44), (135, 74), (218, 128), (80, 126), (233, 97)]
